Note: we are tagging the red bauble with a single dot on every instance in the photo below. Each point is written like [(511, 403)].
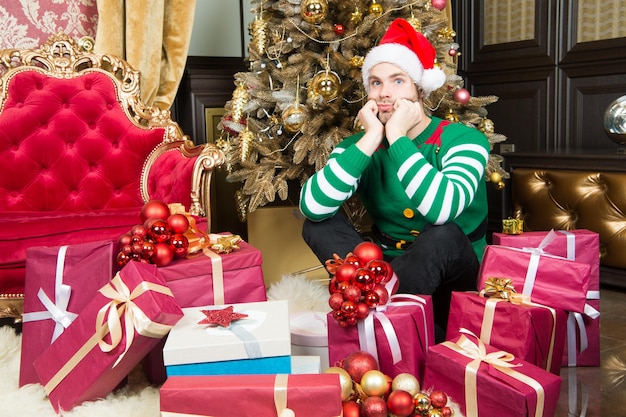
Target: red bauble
[(180, 244), (348, 308), (124, 240), (446, 412), (354, 260), (362, 311), (439, 4), (359, 362), (339, 29), (372, 299), (154, 208), (364, 280), (351, 409), (126, 249), (352, 293), (123, 259), (461, 96), (333, 286), (345, 272), (368, 251), (159, 232), (178, 223), (383, 294), (335, 301), (374, 407), (438, 398), (400, 403), (381, 270), (138, 231), (147, 249), (163, 254)]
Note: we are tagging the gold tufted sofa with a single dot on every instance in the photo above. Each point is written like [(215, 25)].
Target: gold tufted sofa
[(574, 191)]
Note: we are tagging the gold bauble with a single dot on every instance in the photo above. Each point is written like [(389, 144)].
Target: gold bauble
[(374, 383), (486, 125), (434, 412), (422, 402), (451, 116), (406, 382), (314, 11), (345, 381), (325, 84), (294, 117), (495, 177), (357, 61), (500, 185), (416, 23), (375, 8)]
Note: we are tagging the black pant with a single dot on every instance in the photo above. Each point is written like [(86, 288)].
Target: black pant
[(439, 261)]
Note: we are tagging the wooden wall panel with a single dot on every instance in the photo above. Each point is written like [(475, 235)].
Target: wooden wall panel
[(524, 111)]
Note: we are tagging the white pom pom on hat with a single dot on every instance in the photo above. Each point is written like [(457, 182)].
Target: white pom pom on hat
[(409, 50)]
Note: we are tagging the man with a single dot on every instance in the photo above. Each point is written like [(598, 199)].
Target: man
[(419, 177)]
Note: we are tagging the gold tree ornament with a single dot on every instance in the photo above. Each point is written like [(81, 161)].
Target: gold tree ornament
[(326, 84), (245, 144), (314, 11), (486, 126), (375, 8), (258, 29), (240, 99), (356, 16), (294, 117)]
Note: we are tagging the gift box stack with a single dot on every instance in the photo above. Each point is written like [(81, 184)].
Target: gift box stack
[(537, 310)]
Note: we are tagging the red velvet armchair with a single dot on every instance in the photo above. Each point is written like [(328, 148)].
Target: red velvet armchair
[(80, 154)]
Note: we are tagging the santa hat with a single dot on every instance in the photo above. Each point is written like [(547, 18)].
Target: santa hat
[(409, 50)]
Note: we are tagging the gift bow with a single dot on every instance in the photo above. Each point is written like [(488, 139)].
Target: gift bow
[(122, 304), (498, 287), (500, 360), (367, 335), (57, 309)]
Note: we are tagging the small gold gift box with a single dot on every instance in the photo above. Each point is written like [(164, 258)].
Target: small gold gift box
[(512, 226)]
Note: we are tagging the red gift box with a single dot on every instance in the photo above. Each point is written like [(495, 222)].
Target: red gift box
[(59, 282), (549, 280), (315, 395), (210, 279), (583, 335), (121, 323), (528, 331), (398, 335), (487, 382)]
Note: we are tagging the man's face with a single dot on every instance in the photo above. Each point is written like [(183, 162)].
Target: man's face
[(387, 83)]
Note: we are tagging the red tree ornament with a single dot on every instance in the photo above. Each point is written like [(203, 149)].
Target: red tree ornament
[(163, 254), (374, 407), (368, 251), (154, 208), (351, 409), (359, 362), (439, 4), (461, 96), (400, 403), (178, 223)]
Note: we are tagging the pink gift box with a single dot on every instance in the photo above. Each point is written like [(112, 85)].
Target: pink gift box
[(533, 333), (488, 387), (96, 352), (403, 349), (549, 280), (315, 395), (65, 279), (582, 246), (194, 281)]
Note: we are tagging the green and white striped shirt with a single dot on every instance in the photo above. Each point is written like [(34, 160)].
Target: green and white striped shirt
[(433, 179)]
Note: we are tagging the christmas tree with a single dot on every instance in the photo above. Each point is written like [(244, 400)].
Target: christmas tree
[(303, 90)]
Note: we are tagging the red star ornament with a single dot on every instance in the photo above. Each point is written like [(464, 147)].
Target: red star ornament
[(221, 317)]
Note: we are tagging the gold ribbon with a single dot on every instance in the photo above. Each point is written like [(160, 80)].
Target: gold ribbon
[(499, 360), (225, 243), (135, 319)]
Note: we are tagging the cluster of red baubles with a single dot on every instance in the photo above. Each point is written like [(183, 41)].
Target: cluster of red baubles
[(158, 240), (358, 284)]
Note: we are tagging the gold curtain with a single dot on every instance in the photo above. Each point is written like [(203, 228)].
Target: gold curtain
[(153, 36)]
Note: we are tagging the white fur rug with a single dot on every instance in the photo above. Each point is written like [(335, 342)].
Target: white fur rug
[(138, 398)]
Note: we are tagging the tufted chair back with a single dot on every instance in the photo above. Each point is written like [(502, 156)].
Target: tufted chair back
[(566, 199), (75, 136)]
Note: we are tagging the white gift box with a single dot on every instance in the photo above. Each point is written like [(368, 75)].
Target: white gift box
[(257, 344), (309, 335)]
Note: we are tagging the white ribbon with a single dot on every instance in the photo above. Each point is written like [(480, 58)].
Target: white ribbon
[(367, 335), (572, 395), (533, 266), (57, 309)]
